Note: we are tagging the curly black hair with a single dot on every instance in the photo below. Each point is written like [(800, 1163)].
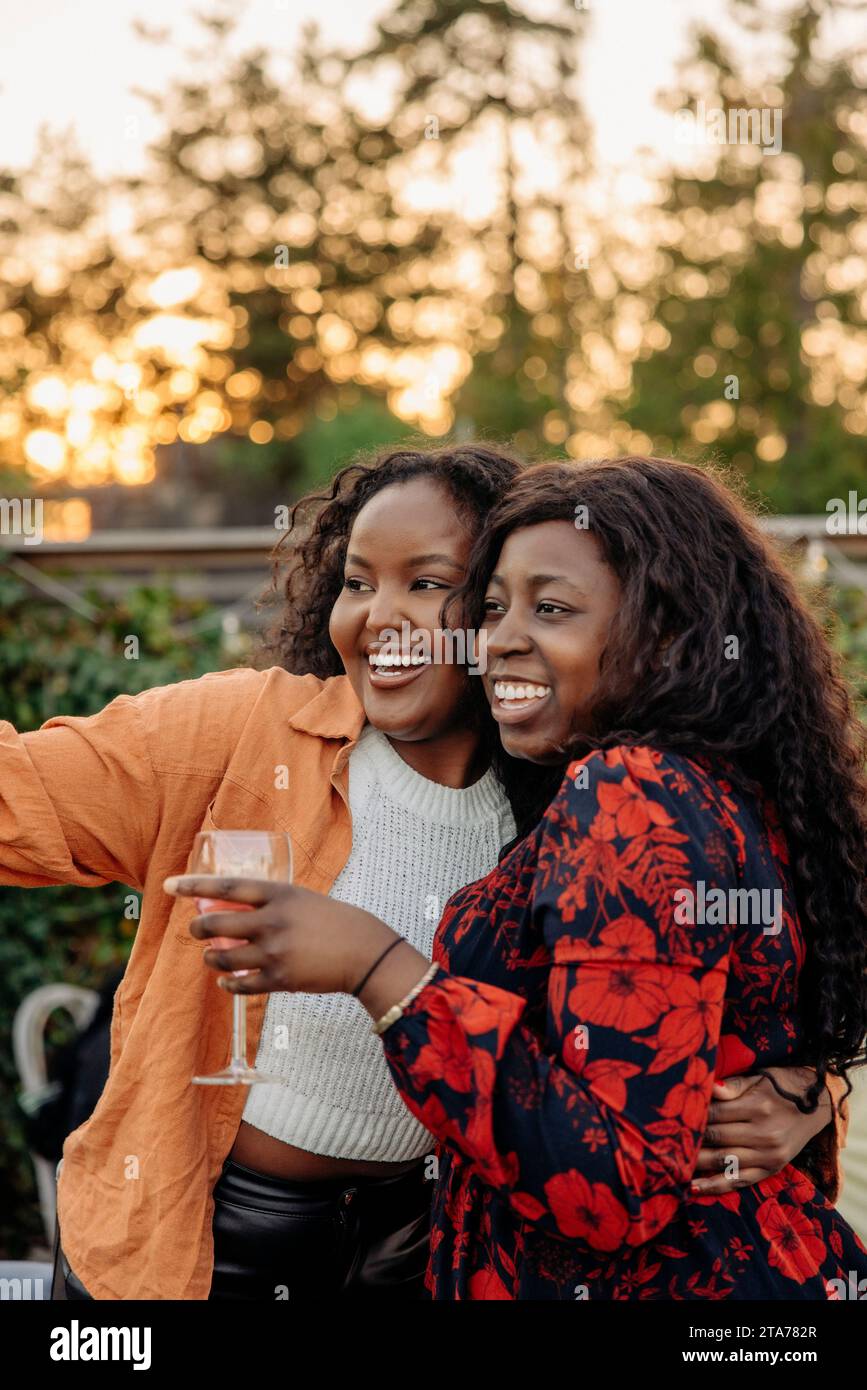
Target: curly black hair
[(695, 570), (307, 562)]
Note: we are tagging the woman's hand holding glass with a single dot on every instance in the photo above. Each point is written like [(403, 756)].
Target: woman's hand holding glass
[(299, 940), (268, 855)]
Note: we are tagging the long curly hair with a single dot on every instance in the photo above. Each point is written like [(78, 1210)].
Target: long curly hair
[(307, 575), (695, 571), (307, 562)]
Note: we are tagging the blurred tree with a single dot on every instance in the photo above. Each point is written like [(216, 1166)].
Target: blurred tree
[(279, 196), (413, 221), (60, 283), (423, 222), (486, 121), (266, 248), (761, 285)]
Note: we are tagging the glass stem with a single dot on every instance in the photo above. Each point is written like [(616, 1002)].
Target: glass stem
[(239, 1030)]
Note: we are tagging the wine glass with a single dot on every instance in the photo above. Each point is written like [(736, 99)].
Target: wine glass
[(238, 854)]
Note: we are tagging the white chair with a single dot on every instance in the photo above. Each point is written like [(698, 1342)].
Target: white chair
[(28, 1046)]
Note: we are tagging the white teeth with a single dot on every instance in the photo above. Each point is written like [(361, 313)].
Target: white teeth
[(524, 693), (384, 661)]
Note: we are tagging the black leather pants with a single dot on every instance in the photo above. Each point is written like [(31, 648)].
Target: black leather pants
[(278, 1239)]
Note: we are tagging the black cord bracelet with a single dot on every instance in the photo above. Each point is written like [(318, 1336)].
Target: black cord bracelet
[(378, 961)]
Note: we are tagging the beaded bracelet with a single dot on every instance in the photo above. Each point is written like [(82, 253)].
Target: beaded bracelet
[(396, 1010)]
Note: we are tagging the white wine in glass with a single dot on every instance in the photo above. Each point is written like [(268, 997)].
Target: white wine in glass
[(238, 854)]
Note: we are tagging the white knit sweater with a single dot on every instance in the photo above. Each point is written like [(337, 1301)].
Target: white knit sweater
[(414, 843)]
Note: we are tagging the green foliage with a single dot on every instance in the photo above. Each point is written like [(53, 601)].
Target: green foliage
[(850, 638), (328, 445), (54, 662), (754, 291), (322, 447)]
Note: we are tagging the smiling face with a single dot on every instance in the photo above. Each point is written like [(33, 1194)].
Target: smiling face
[(548, 609), (407, 550)]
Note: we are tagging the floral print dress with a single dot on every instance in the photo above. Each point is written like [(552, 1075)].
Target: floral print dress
[(591, 989)]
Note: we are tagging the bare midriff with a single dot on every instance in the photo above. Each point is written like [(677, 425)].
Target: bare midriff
[(255, 1149)]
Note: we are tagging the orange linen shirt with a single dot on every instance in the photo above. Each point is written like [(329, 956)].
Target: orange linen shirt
[(118, 796)]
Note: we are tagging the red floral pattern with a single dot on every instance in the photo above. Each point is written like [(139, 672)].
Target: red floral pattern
[(564, 1055)]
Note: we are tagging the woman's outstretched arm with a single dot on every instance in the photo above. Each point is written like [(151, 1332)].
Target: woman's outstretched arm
[(78, 799), (83, 798)]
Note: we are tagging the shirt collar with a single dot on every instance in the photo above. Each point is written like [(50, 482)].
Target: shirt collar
[(335, 712)]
